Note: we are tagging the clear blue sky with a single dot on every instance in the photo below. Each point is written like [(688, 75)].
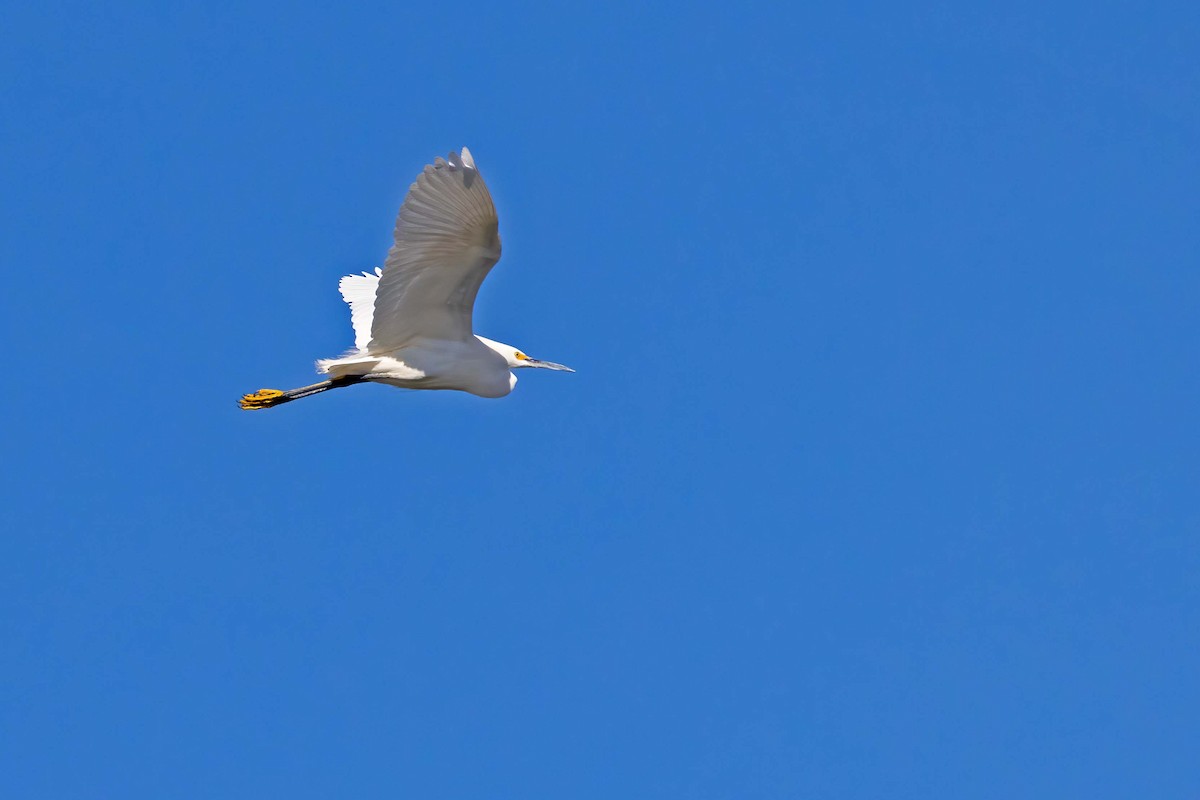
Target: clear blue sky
[(878, 477)]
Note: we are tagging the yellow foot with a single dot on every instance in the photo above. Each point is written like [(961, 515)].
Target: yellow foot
[(263, 398)]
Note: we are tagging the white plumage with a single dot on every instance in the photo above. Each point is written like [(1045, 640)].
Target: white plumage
[(412, 318), (359, 292)]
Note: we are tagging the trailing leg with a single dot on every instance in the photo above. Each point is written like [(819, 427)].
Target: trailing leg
[(269, 398)]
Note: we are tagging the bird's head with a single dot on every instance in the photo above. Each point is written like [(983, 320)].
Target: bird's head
[(517, 358)]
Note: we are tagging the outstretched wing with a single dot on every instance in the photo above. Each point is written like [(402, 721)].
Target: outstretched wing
[(447, 240)]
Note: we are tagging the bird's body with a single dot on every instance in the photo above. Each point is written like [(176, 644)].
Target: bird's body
[(469, 366), (412, 318)]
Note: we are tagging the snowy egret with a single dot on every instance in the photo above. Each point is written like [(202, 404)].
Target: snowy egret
[(412, 319)]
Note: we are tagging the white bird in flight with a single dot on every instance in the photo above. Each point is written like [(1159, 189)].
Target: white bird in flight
[(412, 319)]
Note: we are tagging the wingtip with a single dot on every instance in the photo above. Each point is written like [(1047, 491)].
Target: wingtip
[(455, 161)]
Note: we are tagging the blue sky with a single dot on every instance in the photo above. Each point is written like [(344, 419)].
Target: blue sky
[(878, 476)]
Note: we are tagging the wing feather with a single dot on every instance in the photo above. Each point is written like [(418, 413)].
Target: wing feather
[(446, 241), (359, 293)]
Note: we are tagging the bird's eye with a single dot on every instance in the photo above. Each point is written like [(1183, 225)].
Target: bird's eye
[(520, 356)]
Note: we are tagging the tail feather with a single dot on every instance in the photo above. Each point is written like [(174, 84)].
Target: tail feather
[(350, 364)]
